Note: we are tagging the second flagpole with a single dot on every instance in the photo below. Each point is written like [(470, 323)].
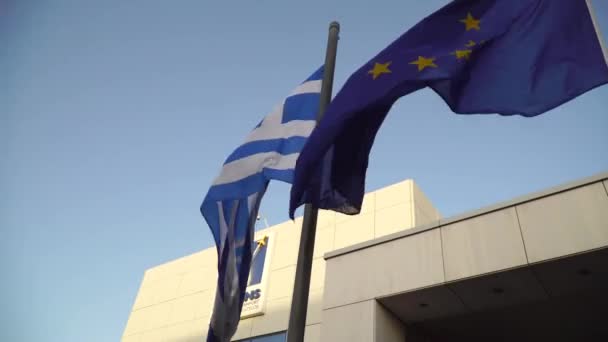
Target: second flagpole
[(299, 301)]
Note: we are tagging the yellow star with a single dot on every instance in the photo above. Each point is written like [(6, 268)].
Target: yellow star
[(262, 242), (470, 22), (379, 69), (424, 62), (470, 43), (462, 54)]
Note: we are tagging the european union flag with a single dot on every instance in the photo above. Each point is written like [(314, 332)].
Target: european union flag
[(521, 57)]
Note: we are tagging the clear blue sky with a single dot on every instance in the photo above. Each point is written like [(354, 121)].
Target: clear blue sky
[(116, 115)]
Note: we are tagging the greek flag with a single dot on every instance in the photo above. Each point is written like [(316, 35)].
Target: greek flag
[(231, 205)]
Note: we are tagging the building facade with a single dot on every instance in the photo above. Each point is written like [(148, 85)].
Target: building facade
[(534, 268)]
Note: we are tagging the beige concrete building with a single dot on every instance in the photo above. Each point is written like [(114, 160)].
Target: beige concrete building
[(534, 268)]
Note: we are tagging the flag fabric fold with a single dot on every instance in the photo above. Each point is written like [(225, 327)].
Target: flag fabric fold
[(516, 57), (232, 202)]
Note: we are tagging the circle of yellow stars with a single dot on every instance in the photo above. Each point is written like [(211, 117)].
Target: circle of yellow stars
[(424, 62), (470, 22), (379, 69)]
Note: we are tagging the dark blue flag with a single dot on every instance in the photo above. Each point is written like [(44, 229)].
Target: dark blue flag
[(521, 57)]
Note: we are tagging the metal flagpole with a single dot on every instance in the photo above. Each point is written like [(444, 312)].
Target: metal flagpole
[(299, 301)]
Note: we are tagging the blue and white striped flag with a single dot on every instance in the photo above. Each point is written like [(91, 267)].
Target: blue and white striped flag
[(231, 205)]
